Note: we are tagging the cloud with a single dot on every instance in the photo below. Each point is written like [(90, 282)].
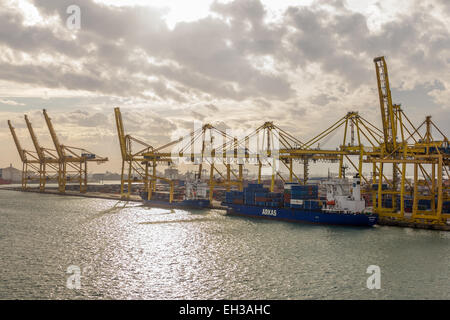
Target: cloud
[(17, 36), (239, 65), (446, 5), (236, 54), (341, 42), (11, 102), (90, 79), (198, 115), (211, 107), (322, 99), (86, 119), (208, 54)]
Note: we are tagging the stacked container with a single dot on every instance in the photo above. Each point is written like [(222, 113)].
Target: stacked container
[(275, 200), (294, 196), (255, 195), (251, 191), (287, 193), (301, 193), (261, 198), (236, 197)]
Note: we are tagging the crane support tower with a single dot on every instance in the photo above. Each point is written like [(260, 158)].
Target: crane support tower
[(408, 151), (72, 161), (30, 160), (135, 168), (48, 161)]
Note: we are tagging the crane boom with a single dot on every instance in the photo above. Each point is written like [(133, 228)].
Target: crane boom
[(121, 133), (386, 106), (58, 146), (17, 143), (38, 148)]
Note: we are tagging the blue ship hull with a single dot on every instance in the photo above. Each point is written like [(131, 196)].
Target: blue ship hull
[(302, 215), (184, 204)]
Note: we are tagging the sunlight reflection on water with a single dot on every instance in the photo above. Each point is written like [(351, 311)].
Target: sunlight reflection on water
[(127, 251)]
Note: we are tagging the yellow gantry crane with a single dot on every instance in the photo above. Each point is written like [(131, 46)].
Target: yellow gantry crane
[(209, 146), (72, 161), (30, 161), (48, 161), (269, 146), (397, 197), (136, 169), (356, 132), (139, 163)]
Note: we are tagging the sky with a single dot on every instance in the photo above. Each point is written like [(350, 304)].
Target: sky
[(234, 64)]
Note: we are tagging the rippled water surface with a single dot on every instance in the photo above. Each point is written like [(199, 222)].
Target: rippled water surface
[(127, 251)]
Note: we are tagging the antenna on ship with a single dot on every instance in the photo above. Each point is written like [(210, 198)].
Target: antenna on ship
[(344, 168)]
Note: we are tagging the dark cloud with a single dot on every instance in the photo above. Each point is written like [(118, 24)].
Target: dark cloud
[(446, 5), (251, 10), (56, 76), (323, 99), (249, 32), (198, 115), (418, 99), (209, 54), (35, 39), (202, 46), (85, 119), (263, 103), (220, 125), (143, 123), (130, 51), (341, 42), (212, 107), (323, 38)]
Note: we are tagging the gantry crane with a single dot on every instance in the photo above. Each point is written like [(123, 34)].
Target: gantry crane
[(291, 149), (198, 148), (210, 146), (428, 157), (48, 161), (353, 124), (30, 161), (72, 161), (267, 147), (206, 146), (135, 167), (262, 147)]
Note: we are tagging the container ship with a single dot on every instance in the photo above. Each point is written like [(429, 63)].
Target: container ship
[(194, 195), (301, 203)]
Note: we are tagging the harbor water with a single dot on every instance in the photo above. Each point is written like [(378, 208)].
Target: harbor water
[(127, 251)]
